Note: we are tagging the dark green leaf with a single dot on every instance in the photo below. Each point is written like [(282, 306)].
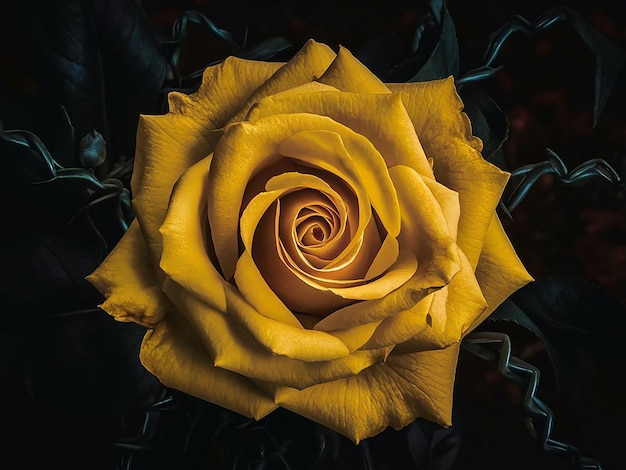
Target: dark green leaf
[(571, 317), (44, 262), (381, 54), (27, 158), (610, 55), (433, 447), (444, 59), (489, 123), (134, 69), (67, 57)]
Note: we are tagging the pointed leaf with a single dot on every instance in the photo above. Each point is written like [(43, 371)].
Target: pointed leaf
[(444, 60), (572, 318)]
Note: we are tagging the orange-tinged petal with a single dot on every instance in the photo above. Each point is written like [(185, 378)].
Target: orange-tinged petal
[(499, 271), (438, 256), (128, 280), (297, 290), (346, 73), (174, 353), (445, 132), (247, 147), (234, 348), (394, 394), (322, 145), (185, 258), (306, 66), (255, 290), (397, 274), (390, 131)]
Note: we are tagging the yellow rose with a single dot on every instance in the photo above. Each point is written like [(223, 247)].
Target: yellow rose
[(311, 238)]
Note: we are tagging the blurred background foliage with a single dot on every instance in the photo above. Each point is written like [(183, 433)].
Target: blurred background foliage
[(68, 416)]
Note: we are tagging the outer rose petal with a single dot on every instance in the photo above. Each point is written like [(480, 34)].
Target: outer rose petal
[(445, 132), (128, 281), (348, 74), (453, 310), (173, 352), (167, 145), (393, 394), (307, 65), (233, 348), (392, 133), (224, 90), (184, 257), (499, 271)]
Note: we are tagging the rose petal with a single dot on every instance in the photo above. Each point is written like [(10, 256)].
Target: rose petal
[(224, 90), (446, 134), (290, 207), (166, 146), (307, 65), (234, 348), (355, 337), (256, 209), (391, 394), (320, 146), (248, 147), (424, 232), (346, 73), (397, 275), (185, 258), (499, 271), (252, 285), (392, 132), (454, 308), (448, 200), (173, 353), (128, 281), (404, 325)]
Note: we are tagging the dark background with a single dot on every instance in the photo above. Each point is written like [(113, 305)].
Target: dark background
[(546, 89)]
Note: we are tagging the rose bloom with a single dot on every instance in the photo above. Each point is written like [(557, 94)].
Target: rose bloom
[(311, 238)]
